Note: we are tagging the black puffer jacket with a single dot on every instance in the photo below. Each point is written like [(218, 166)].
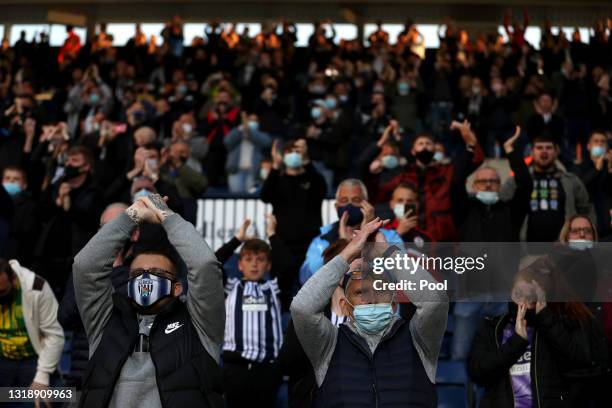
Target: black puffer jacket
[(68, 316), (562, 351)]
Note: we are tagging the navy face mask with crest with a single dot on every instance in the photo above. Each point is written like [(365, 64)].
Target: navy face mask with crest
[(146, 287)]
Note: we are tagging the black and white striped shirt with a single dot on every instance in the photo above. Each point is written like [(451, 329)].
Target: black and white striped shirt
[(338, 320), (253, 319)]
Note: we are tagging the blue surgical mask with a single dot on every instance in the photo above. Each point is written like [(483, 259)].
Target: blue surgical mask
[(390, 162), (12, 188), (355, 216), (94, 99), (403, 88), (487, 197), (253, 125), (597, 151), (293, 160), (141, 193), (331, 103), (147, 289), (580, 244), (316, 112), (373, 319), (438, 156), (183, 89)]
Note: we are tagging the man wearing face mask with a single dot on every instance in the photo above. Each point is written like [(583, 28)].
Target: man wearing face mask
[(406, 99), (484, 217), (322, 141), (595, 171), (69, 212), (439, 184), (245, 149), (296, 191), (402, 210), (68, 312), (25, 223), (556, 196), (184, 130), (189, 183), (382, 161), (354, 211), (377, 358), (171, 349), (271, 110), (147, 163)]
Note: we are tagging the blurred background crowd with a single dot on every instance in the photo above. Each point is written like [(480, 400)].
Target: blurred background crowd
[(89, 124)]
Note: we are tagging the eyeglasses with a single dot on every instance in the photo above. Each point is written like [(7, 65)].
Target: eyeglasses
[(493, 182), (585, 230), (152, 271)]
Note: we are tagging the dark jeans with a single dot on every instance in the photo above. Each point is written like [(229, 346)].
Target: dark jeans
[(251, 385), (17, 373)]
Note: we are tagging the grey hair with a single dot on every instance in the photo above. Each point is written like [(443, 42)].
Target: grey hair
[(352, 182), (487, 167), (113, 206)]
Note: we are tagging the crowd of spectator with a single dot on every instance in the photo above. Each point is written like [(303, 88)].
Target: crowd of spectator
[(389, 129)]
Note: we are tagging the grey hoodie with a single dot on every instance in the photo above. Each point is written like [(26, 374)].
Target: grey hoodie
[(318, 335), (93, 291)]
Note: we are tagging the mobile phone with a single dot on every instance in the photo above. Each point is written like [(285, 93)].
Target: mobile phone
[(410, 208)]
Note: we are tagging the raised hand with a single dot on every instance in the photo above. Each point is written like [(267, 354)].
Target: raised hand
[(465, 129), (140, 212), (344, 230), (277, 156), (241, 234), (385, 136), (158, 206), (521, 324), (509, 144), (271, 224), (407, 223), (354, 247), (367, 210)]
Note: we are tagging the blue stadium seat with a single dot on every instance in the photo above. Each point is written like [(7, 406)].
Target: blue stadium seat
[(452, 373), (452, 396), (452, 385)]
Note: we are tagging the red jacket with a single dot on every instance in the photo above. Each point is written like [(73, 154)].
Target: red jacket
[(436, 184)]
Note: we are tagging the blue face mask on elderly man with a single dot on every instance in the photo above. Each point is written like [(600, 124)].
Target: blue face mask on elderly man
[(372, 309)]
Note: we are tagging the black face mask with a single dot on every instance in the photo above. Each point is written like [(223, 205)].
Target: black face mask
[(529, 314), (425, 156), (71, 172)]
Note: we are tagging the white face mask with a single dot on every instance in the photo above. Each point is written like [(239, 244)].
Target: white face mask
[(399, 210), (487, 197), (580, 244), (187, 128)]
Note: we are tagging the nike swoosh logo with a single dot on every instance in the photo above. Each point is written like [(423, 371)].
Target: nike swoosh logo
[(168, 331)]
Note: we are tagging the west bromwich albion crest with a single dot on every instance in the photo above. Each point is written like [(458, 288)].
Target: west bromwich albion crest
[(145, 287)]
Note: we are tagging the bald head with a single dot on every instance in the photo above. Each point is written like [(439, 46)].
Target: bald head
[(144, 136), (111, 212)]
